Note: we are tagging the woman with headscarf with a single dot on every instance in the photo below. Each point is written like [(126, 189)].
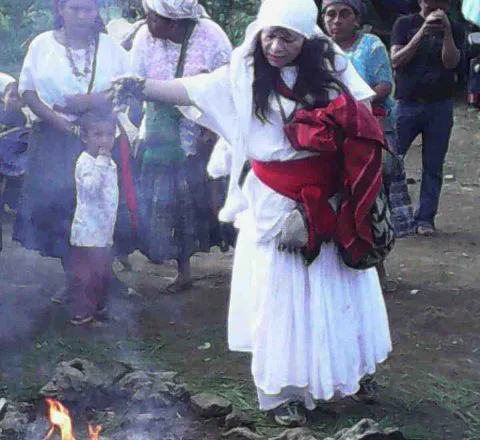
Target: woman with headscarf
[(289, 103), (342, 21), (65, 72), (179, 40)]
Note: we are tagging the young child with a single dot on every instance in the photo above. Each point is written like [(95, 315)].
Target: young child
[(94, 219)]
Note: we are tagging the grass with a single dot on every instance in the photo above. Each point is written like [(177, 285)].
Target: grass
[(457, 399)]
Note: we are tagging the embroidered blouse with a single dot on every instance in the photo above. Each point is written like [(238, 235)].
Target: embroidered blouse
[(47, 71), (208, 49)]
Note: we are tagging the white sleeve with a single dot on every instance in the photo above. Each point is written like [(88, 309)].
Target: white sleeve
[(138, 53), (220, 163), (213, 105), (27, 75)]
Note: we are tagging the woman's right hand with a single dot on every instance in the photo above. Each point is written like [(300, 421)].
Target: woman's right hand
[(125, 89), (65, 126)]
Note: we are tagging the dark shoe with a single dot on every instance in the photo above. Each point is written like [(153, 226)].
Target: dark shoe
[(102, 315), (368, 392), (290, 415)]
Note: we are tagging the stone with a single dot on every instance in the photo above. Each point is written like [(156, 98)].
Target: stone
[(210, 405), (237, 419), (367, 429), (72, 380), (296, 434), (15, 421), (157, 388), (242, 433), (133, 381)]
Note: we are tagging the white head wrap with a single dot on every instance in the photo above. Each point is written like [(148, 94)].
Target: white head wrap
[(297, 15), (175, 9)]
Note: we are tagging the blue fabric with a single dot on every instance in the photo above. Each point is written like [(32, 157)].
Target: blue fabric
[(434, 120), (471, 11), (370, 58)]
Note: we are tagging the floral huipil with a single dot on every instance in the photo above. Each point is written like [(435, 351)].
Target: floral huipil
[(153, 58)]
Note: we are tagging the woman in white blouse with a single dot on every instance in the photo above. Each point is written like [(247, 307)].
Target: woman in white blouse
[(66, 71)]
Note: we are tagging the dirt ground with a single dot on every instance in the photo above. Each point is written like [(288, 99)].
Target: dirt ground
[(430, 386)]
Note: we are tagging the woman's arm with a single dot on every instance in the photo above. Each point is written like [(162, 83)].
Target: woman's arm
[(171, 92), (381, 72), (382, 91), (45, 113)]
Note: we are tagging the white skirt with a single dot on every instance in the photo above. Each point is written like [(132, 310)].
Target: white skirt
[(314, 331)]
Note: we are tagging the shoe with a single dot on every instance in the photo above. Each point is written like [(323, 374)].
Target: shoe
[(102, 315), (290, 415), (425, 230), (60, 297), (368, 392), (79, 320)]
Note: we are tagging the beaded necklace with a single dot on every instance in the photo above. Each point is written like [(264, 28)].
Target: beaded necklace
[(88, 59)]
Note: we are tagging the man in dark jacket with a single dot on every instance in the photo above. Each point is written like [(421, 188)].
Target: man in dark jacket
[(426, 49)]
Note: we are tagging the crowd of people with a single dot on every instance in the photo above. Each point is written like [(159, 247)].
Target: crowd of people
[(303, 127)]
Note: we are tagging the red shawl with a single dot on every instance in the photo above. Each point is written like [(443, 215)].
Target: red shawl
[(349, 142)]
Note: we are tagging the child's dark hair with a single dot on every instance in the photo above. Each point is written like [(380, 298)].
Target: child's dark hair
[(316, 75), (96, 115)]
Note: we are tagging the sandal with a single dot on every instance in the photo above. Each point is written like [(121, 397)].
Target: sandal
[(79, 320), (60, 297), (291, 414), (102, 314)]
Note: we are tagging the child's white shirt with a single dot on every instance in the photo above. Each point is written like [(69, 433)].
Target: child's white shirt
[(97, 201)]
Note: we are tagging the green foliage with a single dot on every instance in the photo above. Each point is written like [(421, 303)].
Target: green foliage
[(20, 21), (233, 15)]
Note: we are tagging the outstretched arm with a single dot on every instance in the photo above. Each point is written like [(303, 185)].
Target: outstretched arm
[(172, 92)]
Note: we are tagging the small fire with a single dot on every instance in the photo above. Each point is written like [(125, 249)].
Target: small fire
[(60, 419), (94, 432)]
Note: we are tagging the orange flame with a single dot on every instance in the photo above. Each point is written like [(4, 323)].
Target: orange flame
[(94, 432), (60, 419)]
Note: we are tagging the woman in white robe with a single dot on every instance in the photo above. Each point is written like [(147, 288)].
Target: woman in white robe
[(313, 331)]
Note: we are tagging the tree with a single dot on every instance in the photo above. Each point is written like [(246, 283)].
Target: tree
[(233, 15), (20, 21)]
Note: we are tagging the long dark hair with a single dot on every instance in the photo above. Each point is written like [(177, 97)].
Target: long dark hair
[(316, 76), (58, 19)]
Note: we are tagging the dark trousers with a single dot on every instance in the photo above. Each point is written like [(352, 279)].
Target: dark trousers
[(434, 121), (89, 277)]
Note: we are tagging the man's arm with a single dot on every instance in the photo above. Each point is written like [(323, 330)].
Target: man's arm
[(401, 55), (450, 53)]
